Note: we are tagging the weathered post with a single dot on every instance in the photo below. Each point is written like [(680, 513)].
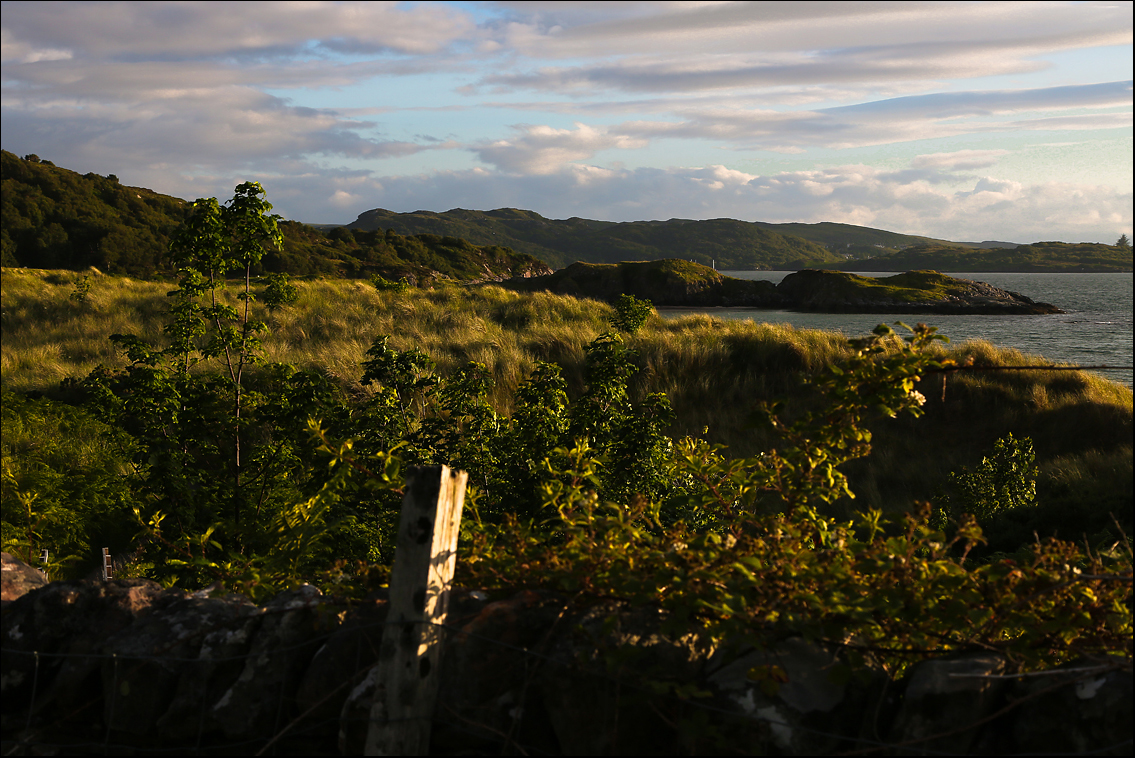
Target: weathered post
[(409, 659), (107, 565)]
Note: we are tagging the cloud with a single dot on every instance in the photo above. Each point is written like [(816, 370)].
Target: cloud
[(212, 130), (12, 49), (593, 30), (543, 150), (959, 160), (899, 119), (178, 31), (185, 98), (761, 45)]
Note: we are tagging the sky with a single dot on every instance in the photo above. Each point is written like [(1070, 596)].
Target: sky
[(967, 121)]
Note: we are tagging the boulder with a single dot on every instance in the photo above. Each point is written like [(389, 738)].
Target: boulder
[(944, 702), (1099, 693), (796, 697), (17, 578)]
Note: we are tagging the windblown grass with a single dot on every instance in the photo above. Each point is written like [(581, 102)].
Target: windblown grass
[(715, 372)]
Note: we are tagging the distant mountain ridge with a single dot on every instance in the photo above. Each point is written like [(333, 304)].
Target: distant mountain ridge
[(729, 244), (1052, 257), (56, 218), (724, 243)]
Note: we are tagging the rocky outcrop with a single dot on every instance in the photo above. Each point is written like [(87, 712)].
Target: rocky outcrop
[(129, 666), (682, 283), (665, 282), (911, 292)]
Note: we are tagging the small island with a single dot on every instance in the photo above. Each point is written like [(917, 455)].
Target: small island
[(684, 283)]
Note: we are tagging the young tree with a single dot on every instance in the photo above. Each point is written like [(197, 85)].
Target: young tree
[(215, 240)]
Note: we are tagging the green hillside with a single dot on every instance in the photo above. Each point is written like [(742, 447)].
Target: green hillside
[(724, 243), (1039, 256), (56, 218), (848, 239)]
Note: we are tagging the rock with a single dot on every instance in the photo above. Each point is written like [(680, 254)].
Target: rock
[(216, 632), (663, 282), (796, 695), (160, 669), (1101, 701), (258, 703), (682, 283), (910, 292), (17, 578), (944, 695), (65, 622), (489, 695), (334, 695), (604, 695)]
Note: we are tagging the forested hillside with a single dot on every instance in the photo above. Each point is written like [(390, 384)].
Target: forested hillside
[(724, 243), (848, 239), (1039, 256), (56, 218)]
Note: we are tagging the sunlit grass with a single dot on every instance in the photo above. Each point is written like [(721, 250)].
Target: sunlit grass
[(716, 372)]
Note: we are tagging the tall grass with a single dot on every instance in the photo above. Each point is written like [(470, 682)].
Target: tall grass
[(715, 372)]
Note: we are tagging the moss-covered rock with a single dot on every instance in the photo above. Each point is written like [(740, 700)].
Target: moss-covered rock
[(665, 282), (683, 283), (910, 292)]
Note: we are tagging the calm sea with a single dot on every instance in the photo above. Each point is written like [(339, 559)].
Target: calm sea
[(1095, 330)]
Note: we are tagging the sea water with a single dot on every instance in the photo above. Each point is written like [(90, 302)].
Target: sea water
[(1095, 330)]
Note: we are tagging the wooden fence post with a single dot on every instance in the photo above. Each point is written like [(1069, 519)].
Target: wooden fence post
[(410, 655), (107, 565)]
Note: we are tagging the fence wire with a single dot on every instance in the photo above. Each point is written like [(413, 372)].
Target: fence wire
[(312, 735)]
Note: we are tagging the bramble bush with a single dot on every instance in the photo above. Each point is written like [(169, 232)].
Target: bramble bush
[(740, 550)]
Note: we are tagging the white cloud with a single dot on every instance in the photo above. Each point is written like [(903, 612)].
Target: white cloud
[(19, 51), (743, 27), (900, 119), (760, 45), (959, 159), (543, 149), (173, 31)]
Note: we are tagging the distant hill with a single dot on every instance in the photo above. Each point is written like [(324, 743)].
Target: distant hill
[(849, 239), (724, 243), (1039, 256), (56, 218), (988, 244)]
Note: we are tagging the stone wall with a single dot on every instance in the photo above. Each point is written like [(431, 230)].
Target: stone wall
[(128, 666)]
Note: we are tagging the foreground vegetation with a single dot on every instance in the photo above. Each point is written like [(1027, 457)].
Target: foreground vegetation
[(714, 373), (253, 432)]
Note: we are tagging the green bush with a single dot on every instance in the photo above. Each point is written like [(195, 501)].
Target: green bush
[(1004, 481), (67, 485), (383, 284), (631, 313)]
